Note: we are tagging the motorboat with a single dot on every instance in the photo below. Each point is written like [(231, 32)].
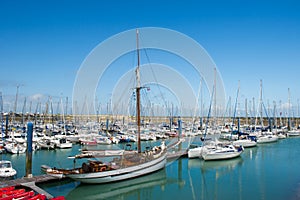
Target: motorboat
[(6, 170)]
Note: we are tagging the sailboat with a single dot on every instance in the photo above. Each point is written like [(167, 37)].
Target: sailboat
[(243, 138), (220, 152), (264, 136), (123, 164)]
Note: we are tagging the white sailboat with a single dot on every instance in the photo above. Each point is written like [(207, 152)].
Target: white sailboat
[(246, 143), (222, 153), (243, 140), (264, 136), (124, 164), (60, 140)]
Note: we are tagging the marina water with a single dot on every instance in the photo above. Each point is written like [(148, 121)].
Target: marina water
[(268, 171)]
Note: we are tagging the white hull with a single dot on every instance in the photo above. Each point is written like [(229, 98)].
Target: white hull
[(64, 145), (293, 133), (121, 174), (195, 152), (15, 148), (45, 144), (6, 170), (244, 143), (267, 139), (222, 154), (281, 136)]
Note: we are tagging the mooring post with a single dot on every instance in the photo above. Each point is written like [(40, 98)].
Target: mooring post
[(107, 124), (29, 150), (179, 128), (6, 125)]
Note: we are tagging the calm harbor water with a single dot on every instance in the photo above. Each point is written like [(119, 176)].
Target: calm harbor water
[(268, 171)]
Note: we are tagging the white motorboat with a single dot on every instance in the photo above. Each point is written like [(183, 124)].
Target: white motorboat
[(62, 143), (46, 143), (6, 170)]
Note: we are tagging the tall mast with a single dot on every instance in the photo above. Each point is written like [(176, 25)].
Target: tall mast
[(246, 111), (215, 95), (138, 88), (260, 105), (16, 103), (289, 111)]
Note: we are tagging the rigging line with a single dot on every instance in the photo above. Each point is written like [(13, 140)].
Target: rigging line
[(235, 107), (197, 100), (209, 112), (227, 108), (155, 78), (118, 102), (147, 100)]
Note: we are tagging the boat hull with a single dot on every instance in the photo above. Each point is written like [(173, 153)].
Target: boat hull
[(267, 139), (195, 152), (244, 143), (120, 174), (221, 156)]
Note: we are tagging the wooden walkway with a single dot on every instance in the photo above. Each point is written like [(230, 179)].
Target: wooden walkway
[(176, 154), (31, 183)]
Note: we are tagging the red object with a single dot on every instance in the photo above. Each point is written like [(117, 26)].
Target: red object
[(7, 189), (11, 192), (38, 197), (58, 198), (21, 196)]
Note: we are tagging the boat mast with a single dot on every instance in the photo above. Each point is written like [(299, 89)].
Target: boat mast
[(138, 88), (215, 99), (289, 111), (261, 105)]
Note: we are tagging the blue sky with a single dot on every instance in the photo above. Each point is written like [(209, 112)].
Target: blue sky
[(43, 43)]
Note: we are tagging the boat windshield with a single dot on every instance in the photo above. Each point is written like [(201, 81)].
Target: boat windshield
[(5, 165)]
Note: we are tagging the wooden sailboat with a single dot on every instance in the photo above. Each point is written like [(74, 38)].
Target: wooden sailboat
[(123, 164)]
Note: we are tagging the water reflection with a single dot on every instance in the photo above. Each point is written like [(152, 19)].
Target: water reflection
[(121, 190), (215, 178), (215, 165)]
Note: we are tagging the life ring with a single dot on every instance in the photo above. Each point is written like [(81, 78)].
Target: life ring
[(102, 169)]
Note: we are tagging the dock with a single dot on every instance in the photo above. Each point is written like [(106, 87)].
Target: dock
[(176, 154), (31, 183)]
